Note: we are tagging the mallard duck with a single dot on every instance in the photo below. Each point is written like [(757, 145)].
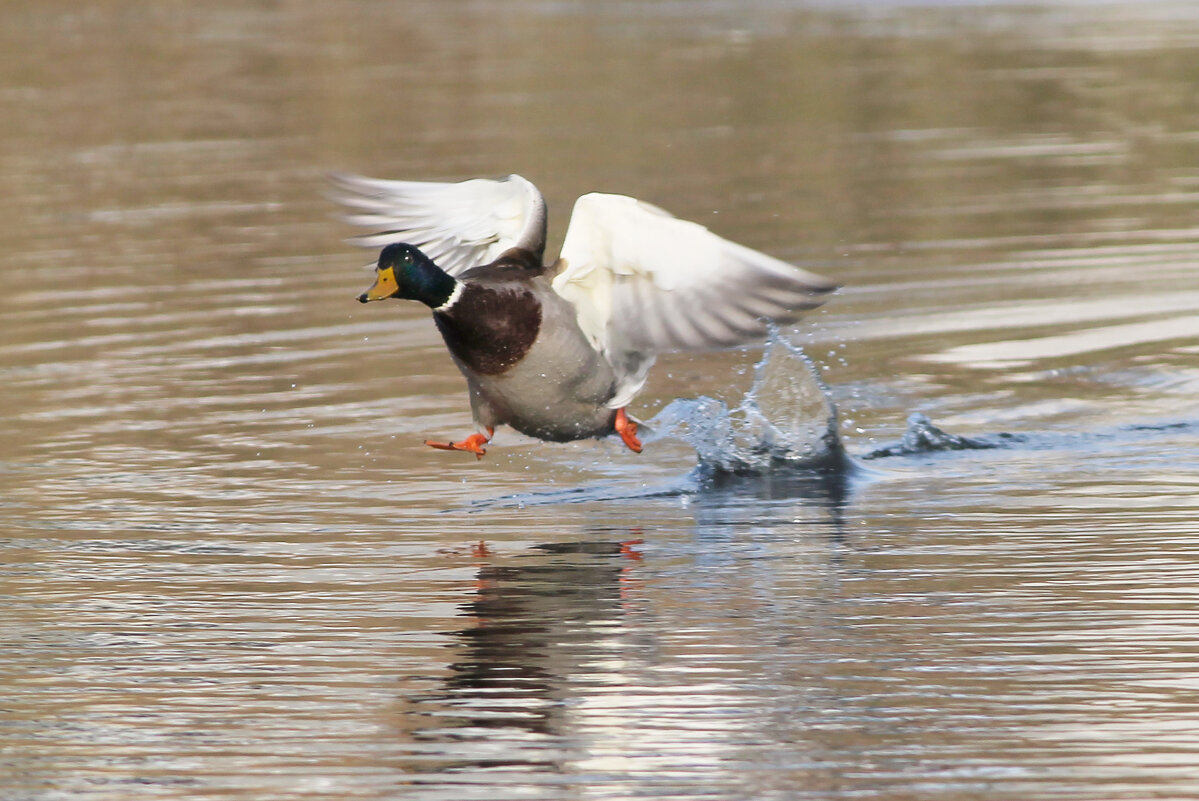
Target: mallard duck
[(559, 351)]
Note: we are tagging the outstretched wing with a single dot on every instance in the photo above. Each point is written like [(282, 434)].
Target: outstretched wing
[(458, 225), (643, 281)]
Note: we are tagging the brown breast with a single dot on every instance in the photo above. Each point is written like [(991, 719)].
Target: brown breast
[(492, 326)]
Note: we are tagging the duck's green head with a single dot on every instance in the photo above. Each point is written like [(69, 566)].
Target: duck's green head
[(404, 272)]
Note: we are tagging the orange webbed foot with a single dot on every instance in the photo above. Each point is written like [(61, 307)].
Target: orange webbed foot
[(474, 443), (627, 430)]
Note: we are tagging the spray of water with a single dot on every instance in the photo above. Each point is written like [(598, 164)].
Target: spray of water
[(785, 420)]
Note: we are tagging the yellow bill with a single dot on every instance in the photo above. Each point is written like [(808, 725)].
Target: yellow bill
[(384, 287)]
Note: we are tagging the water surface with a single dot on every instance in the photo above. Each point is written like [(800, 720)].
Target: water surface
[(231, 570)]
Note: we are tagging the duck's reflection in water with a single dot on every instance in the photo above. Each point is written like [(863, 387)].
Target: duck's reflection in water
[(581, 659), (542, 625)]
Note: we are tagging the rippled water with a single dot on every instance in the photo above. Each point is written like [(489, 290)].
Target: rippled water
[(230, 569)]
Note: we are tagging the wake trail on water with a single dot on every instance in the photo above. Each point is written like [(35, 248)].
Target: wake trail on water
[(922, 436)]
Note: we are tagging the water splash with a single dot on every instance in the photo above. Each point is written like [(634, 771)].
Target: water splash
[(924, 437), (785, 421)]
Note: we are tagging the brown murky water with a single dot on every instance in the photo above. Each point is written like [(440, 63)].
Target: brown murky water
[(230, 569)]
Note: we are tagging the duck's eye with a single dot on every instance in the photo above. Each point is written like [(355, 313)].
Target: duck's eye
[(407, 257)]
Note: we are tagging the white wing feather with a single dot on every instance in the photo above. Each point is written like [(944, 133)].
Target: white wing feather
[(458, 225), (643, 281)]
